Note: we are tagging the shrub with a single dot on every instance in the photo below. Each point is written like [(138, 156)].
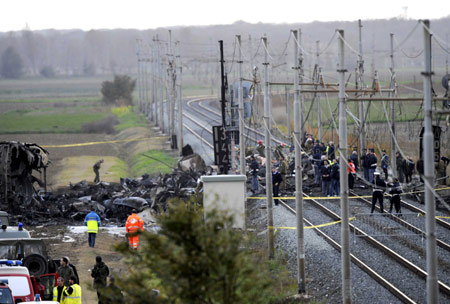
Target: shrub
[(191, 260), (119, 91)]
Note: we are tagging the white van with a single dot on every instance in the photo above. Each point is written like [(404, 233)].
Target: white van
[(18, 279)]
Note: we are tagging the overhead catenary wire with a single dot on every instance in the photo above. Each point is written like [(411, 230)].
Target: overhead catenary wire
[(404, 52)]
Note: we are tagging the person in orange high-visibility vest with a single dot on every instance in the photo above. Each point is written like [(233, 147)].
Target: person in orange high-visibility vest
[(351, 173), (133, 225)]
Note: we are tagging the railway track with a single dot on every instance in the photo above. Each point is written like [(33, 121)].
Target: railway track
[(196, 104), (440, 243), (397, 257), (360, 259)]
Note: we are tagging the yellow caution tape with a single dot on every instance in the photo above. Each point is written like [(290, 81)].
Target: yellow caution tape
[(310, 197), (312, 227), (101, 142), (336, 197)]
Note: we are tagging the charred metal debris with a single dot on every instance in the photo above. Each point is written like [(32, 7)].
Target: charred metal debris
[(21, 165), (112, 201)]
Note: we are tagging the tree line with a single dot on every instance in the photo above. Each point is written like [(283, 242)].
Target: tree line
[(50, 53)]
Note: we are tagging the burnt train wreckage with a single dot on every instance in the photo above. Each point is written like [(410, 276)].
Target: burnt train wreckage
[(20, 163)]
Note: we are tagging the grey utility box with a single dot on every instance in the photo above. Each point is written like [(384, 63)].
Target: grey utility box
[(225, 193)]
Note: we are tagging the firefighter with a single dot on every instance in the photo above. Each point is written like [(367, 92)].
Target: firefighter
[(133, 225), (96, 169), (72, 294)]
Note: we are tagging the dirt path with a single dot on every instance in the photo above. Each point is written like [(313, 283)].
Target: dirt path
[(81, 255)]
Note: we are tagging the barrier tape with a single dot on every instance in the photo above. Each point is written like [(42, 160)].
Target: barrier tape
[(336, 197), (333, 223), (101, 142), (312, 227)]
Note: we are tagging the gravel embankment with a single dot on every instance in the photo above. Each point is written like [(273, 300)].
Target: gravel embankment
[(323, 263)]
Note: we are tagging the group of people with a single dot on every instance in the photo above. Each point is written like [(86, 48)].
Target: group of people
[(68, 289), (279, 169)]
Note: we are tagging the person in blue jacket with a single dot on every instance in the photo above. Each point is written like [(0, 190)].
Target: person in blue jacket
[(92, 221)]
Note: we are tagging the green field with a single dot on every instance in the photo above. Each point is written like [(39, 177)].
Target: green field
[(50, 120)]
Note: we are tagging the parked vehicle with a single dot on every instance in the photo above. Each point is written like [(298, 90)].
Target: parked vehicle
[(5, 294), (18, 279)]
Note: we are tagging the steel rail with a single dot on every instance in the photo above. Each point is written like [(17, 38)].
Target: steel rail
[(400, 259), (367, 269), (247, 127), (397, 219)]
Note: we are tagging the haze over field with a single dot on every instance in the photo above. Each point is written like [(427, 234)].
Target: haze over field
[(138, 14)]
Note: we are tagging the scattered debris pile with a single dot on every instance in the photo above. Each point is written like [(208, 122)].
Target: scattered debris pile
[(112, 201)]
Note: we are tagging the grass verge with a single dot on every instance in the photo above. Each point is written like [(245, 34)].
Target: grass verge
[(151, 162)]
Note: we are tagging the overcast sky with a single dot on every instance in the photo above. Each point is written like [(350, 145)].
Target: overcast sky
[(140, 14)]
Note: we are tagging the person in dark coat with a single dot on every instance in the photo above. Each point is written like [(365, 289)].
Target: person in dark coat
[(395, 191), (100, 273), (365, 164), (276, 181), (65, 271), (96, 169), (354, 159), (385, 164), (112, 294), (420, 169), (325, 176), (335, 178), (401, 163), (409, 170), (372, 161), (254, 169), (317, 154), (378, 191)]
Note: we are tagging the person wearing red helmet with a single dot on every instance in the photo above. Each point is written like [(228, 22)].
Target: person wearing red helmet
[(261, 148)]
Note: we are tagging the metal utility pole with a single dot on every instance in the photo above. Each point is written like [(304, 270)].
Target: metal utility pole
[(161, 85), (241, 111), (319, 107), (154, 83), (301, 276), (268, 152), (138, 57), (288, 111), (345, 231), (180, 100), (360, 85), (300, 79), (392, 94), (428, 159), (145, 78), (171, 96), (222, 87)]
